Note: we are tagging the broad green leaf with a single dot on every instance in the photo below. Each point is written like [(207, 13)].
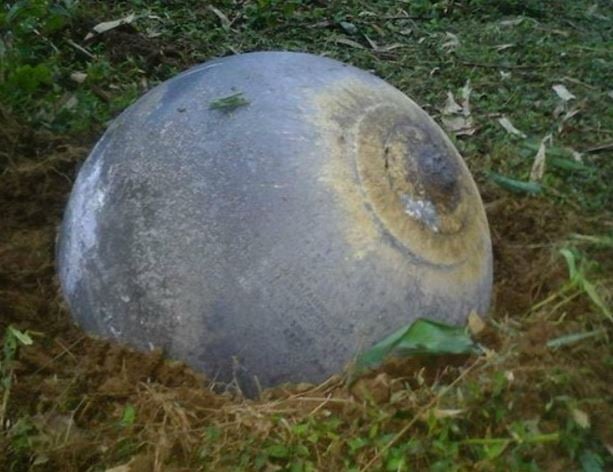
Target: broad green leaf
[(518, 186), (128, 416), (421, 337), (278, 451), (591, 462), (590, 289), (571, 262), (21, 336)]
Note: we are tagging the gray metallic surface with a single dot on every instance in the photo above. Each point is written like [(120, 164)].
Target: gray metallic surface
[(278, 238)]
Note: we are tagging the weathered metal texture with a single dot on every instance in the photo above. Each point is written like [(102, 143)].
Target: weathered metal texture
[(279, 238)]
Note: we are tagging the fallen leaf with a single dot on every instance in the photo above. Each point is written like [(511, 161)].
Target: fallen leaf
[(223, 19), (513, 22), (466, 90), (563, 92), (577, 156), (452, 42), (459, 125), (508, 126), (581, 418), (109, 25), (451, 106), (502, 47), (78, 77), (456, 118), (440, 413), (70, 103), (120, 468), (538, 166), (349, 42), (390, 47), (475, 324)]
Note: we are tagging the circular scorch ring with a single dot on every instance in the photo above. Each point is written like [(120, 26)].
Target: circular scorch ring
[(266, 216)]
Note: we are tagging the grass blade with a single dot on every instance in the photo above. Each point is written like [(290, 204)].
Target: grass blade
[(572, 338), (517, 186)]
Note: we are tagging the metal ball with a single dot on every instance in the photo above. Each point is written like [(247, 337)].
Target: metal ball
[(270, 215)]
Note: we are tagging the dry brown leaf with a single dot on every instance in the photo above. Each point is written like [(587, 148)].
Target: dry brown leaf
[(459, 125), (452, 42), (451, 107), (513, 22), (120, 468), (580, 417), (577, 156), (538, 166), (466, 90), (563, 92), (508, 126), (456, 118), (225, 23), (78, 77), (349, 42), (475, 324), (109, 25), (440, 413), (502, 47)]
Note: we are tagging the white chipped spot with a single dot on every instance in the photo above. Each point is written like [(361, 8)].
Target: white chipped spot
[(86, 202), (421, 210), (125, 298)]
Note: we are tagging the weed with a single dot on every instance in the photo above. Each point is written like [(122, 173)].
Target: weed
[(13, 340)]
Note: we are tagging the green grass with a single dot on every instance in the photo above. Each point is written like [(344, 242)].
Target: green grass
[(535, 401)]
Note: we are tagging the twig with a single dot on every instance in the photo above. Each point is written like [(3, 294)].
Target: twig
[(405, 17), (600, 147), (503, 66), (81, 49), (65, 350)]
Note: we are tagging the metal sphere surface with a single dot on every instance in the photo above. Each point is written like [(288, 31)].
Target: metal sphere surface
[(275, 233)]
